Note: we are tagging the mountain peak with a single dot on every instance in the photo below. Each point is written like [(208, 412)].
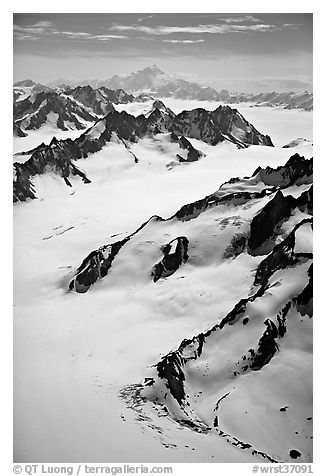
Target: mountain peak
[(25, 83), (155, 69)]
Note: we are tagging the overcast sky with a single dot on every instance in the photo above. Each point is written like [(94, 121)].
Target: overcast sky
[(245, 51)]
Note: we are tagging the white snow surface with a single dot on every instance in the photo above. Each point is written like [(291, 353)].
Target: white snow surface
[(74, 353), (44, 134)]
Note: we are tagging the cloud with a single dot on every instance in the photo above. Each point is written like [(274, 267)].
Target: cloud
[(26, 37), (145, 18), (44, 24), (108, 37), (183, 41), (247, 18), (221, 29), (46, 29)]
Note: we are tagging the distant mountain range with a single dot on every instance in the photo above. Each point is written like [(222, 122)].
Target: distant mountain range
[(71, 105), (156, 83), (65, 107)]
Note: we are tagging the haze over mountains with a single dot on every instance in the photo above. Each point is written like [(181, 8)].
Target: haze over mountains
[(98, 96)]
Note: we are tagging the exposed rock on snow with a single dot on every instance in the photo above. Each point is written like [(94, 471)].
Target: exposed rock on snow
[(230, 351), (216, 126), (48, 107), (297, 170), (297, 142), (55, 158), (264, 224), (97, 264), (17, 131), (98, 100), (192, 154), (212, 127), (171, 261)]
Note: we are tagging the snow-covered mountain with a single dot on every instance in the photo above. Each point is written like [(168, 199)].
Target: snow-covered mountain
[(23, 89), (288, 100), (297, 142), (48, 107), (157, 296), (65, 107), (240, 379), (212, 127), (101, 99), (155, 82)]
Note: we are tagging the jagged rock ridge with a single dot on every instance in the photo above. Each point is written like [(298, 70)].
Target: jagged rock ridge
[(229, 125), (49, 107)]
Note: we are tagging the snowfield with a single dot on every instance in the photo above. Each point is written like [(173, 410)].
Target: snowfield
[(79, 358)]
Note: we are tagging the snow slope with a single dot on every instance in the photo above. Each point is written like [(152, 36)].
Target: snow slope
[(78, 357)]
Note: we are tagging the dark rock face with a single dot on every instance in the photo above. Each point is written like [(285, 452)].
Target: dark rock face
[(297, 170), (193, 154), (171, 369), (304, 299), (171, 366), (267, 346), (31, 113), (282, 255), (171, 261), (216, 126), (192, 210), (55, 157), (160, 119), (127, 128), (295, 454), (95, 266), (99, 100), (22, 186), (17, 131), (263, 224), (305, 201)]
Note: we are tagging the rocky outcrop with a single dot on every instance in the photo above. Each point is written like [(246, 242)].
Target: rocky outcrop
[(263, 225), (217, 126), (194, 209), (171, 261), (282, 256), (192, 154), (297, 170), (17, 132), (305, 201), (45, 107), (304, 301), (130, 128), (266, 224), (210, 358), (56, 158), (95, 99), (97, 264)]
